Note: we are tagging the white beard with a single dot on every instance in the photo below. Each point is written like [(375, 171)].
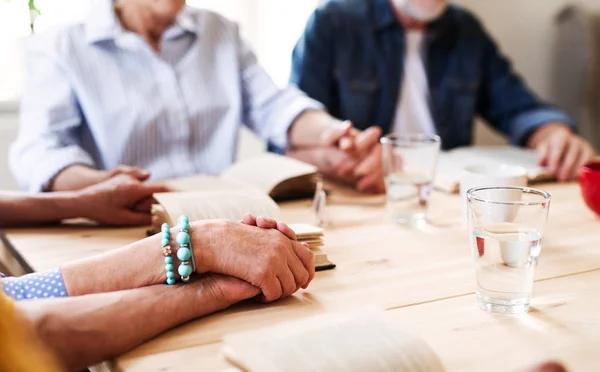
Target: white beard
[(408, 7)]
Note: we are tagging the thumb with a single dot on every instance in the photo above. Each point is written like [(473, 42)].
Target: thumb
[(144, 190), (336, 132)]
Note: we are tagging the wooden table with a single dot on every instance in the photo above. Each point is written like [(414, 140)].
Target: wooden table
[(424, 278)]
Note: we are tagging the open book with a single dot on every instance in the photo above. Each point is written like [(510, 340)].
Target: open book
[(334, 342), (232, 204), (278, 176), (452, 162)]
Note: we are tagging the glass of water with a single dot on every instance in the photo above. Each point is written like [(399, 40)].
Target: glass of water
[(409, 161), (506, 226)]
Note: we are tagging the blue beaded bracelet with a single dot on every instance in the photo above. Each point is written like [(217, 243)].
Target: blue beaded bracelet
[(184, 253), (165, 239)]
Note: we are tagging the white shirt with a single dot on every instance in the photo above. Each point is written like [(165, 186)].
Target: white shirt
[(98, 95), (413, 114)]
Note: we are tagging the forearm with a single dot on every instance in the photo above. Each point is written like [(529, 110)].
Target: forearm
[(76, 177), (89, 329), (25, 209), (307, 129), (139, 264)]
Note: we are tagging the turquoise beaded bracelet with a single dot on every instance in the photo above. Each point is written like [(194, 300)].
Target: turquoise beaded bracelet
[(184, 253), (166, 252)]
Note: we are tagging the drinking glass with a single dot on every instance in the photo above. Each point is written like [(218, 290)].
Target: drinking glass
[(506, 227), (409, 161)]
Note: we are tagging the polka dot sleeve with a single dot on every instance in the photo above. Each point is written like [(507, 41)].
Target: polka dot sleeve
[(37, 285)]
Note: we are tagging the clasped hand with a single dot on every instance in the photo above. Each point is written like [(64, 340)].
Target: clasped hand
[(354, 156)]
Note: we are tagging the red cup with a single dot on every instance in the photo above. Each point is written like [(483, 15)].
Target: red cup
[(589, 181)]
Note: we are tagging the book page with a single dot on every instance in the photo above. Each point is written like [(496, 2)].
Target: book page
[(229, 204), (267, 171), (452, 162), (204, 182), (334, 342)]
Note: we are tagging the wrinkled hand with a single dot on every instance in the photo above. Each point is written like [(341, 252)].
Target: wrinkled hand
[(265, 258), (361, 162), (267, 223), (116, 201), (560, 150), (225, 290)]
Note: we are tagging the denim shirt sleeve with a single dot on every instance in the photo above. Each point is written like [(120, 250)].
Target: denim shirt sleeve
[(506, 102), (34, 286)]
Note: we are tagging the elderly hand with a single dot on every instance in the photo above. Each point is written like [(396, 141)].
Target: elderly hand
[(117, 201), (223, 290), (560, 150), (361, 163), (267, 223), (265, 258)]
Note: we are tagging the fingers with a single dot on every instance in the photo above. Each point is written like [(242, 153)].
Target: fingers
[(372, 183), (542, 154), (144, 206), (556, 149), (370, 172), (335, 133), (137, 173), (286, 230), (288, 283), (298, 271), (568, 166), (271, 290), (371, 163), (228, 289), (149, 189), (366, 140), (248, 219), (266, 223), (304, 254)]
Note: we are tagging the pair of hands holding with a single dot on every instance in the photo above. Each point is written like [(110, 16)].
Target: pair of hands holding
[(355, 156), (123, 197), (256, 257)]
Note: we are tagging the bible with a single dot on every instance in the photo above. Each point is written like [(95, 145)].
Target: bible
[(332, 342), (230, 197), (280, 177)]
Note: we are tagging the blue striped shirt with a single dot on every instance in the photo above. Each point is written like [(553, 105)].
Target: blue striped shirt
[(98, 95)]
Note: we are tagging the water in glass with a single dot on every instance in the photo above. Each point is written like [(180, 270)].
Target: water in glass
[(505, 255), (407, 196)]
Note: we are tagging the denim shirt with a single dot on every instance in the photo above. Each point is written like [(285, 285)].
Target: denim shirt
[(350, 58)]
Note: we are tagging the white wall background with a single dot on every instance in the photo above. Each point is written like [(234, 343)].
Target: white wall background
[(523, 28)]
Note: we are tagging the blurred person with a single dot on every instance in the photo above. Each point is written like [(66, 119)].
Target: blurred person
[(95, 309), (429, 67), (163, 87)]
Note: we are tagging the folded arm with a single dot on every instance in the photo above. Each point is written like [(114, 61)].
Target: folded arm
[(89, 329)]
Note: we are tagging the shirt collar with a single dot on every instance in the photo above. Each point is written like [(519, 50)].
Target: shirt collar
[(102, 23)]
